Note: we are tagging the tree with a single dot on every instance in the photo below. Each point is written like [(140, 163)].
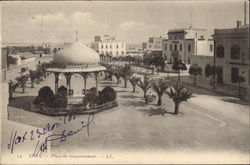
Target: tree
[(32, 76), (126, 73), (195, 70), (134, 80), (145, 84), (12, 87), (160, 85), (117, 73), (178, 93), (109, 72), (22, 79), (178, 66), (208, 70)]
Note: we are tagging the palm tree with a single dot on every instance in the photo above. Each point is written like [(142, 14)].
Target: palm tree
[(12, 87), (33, 76), (126, 73), (108, 72), (117, 73), (178, 93), (178, 66), (145, 84), (160, 85), (134, 80), (22, 79), (195, 70)]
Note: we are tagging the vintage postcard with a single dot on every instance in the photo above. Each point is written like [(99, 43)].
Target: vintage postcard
[(125, 82)]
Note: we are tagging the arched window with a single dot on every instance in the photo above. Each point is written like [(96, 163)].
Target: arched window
[(235, 52), (220, 51)]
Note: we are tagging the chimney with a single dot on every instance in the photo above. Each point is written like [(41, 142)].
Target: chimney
[(238, 24), (245, 13)]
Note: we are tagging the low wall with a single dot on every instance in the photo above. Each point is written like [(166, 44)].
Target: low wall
[(73, 109)]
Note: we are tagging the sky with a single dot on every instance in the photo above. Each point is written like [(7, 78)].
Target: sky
[(130, 21)]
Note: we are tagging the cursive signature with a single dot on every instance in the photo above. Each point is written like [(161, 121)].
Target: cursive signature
[(16, 138)]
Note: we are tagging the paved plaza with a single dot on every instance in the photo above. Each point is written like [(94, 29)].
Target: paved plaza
[(207, 122)]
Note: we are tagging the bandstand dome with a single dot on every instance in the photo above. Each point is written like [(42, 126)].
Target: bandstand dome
[(75, 54)]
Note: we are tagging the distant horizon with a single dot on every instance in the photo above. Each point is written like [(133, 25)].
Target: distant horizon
[(130, 21)]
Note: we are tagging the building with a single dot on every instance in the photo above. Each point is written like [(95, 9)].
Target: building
[(109, 45), (182, 43), (53, 47), (153, 43), (4, 64), (232, 54)]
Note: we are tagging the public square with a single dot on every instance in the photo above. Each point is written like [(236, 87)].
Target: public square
[(207, 122)]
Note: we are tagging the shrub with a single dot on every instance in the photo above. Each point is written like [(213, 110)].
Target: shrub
[(91, 97), (61, 100), (45, 96), (62, 91), (107, 94)]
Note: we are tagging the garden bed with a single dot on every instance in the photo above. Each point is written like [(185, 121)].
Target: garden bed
[(77, 109)]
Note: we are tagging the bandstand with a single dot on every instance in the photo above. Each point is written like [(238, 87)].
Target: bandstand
[(76, 58)]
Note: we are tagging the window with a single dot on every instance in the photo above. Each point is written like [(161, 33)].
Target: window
[(211, 48), (220, 51), (149, 46), (117, 46), (116, 52), (122, 52), (170, 46), (189, 47), (180, 47), (166, 47), (175, 47), (102, 46), (106, 46), (234, 75), (110, 46), (235, 52)]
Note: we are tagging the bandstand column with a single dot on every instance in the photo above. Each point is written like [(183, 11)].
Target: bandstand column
[(68, 77), (85, 76), (56, 81), (96, 80)]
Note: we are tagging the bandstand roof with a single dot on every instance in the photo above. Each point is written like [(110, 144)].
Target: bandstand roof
[(76, 53), (76, 58)]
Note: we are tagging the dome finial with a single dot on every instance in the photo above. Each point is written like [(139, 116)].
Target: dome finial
[(76, 35)]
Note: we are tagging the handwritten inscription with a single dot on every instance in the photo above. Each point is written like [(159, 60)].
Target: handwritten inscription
[(40, 148)]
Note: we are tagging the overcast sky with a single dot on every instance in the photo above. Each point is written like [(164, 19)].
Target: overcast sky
[(132, 22)]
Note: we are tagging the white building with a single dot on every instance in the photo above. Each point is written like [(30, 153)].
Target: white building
[(109, 45), (182, 43), (153, 43)]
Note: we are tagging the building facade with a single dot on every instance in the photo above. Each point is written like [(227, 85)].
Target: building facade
[(109, 45), (153, 44), (182, 43), (232, 55)]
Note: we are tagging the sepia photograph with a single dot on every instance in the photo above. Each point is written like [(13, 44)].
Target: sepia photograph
[(125, 82)]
